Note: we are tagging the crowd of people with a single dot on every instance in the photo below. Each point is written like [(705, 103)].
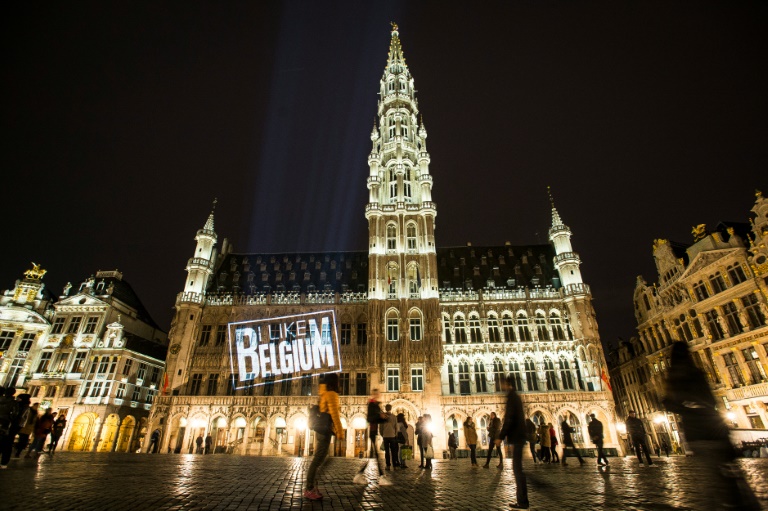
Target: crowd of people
[(24, 426)]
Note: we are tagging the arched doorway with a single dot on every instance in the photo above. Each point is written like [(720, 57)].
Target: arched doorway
[(178, 430), (83, 432), (126, 431), (138, 439), (108, 433)]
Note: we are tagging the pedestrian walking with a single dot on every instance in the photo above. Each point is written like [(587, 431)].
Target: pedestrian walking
[(419, 425), (154, 441), (28, 427), (425, 441), (404, 440), (665, 448), (553, 443), (58, 429), (470, 436), (9, 410), (208, 443), (532, 437), (43, 427), (688, 394), (453, 444), (494, 428), (544, 442), (636, 431), (375, 417), (568, 441), (329, 403), (199, 444), (389, 434), (513, 432), (595, 430)]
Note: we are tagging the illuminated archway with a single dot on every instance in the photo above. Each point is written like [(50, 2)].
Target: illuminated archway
[(83, 432), (124, 436), (108, 433)]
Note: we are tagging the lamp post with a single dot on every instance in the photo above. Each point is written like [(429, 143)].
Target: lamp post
[(280, 428)]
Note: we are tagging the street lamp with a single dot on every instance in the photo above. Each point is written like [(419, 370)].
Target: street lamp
[(280, 427), (732, 417)]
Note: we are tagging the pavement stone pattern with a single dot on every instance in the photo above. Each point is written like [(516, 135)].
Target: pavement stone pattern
[(135, 482)]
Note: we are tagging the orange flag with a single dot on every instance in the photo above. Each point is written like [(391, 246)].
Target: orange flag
[(604, 377)]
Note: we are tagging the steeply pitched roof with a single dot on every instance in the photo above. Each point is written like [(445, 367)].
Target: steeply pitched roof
[(458, 268)]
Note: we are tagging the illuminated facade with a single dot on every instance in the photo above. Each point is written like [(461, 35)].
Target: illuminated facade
[(711, 294), (93, 354), (433, 329)]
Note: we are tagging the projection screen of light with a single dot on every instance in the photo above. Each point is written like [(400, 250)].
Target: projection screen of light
[(283, 348)]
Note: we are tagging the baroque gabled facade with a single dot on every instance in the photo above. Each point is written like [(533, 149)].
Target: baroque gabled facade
[(92, 354), (711, 294), (433, 329)]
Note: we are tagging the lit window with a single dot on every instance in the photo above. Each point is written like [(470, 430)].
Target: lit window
[(393, 379), (417, 379)]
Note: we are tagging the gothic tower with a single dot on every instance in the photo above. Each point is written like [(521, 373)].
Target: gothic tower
[(402, 283), (577, 297)]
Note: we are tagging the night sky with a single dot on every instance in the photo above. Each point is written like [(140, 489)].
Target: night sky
[(123, 120)]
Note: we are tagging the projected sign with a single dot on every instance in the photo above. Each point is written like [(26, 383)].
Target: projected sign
[(283, 348)]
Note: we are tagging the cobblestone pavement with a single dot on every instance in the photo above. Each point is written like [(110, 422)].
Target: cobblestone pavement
[(75, 481)]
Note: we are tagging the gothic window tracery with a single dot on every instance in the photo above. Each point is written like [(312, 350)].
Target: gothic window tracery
[(493, 329), (530, 375), (481, 382), (541, 327), (475, 333), (523, 332), (551, 374), (508, 326), (557, 327), (460, 330)]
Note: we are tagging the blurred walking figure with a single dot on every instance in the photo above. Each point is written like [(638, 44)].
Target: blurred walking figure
[(665, 448), (453, 443), (531, 435), (389, 434), (568, 441), (43, 427), (199, 444), (544, 441), (28, 426), (208, 443), (636, 432), (513, 432), (419, 425), (689, 395), (375, 417), (405, 439), (425, 441), (470, 435), (58, 429), (553, 443), (494, 428), (595, 429), (329, 403)]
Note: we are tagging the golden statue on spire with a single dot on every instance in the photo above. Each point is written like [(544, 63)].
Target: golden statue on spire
[(394, 26), (699, 232), (36, 273)]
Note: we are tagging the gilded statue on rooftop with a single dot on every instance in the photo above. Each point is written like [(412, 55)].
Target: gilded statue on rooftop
[(699, 232), (36, 273)]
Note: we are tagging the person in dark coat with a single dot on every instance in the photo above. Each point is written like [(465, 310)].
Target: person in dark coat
[(688, 394), (58, 429), (595, 429), (494, 427), (531, 435), (208, 443), (568, 441), (513, 432), (636, 432), (375, 417)]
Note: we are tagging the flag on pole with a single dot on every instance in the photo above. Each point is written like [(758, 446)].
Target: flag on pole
[(165, 383), (604, 377)]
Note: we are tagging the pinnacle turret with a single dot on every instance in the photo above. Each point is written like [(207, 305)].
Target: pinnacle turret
[(395, 55)]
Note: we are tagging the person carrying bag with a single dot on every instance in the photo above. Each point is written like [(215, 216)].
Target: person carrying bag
[(324, 428)]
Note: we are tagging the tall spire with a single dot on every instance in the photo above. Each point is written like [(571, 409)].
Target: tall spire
[(556, 220), (209, 223), (395, 48)]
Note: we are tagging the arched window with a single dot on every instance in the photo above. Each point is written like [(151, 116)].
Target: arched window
[(460, 330), (493, 329), (393, 327), (481, 383), (530, 375), (392, 179), (717, 283), (557, 326), (410, 237), (447, 330), (565, 375), (415, 325), (517, 376), (451, 383), (508, 325), (523, 332), (391, 238), (407, 179), (541, 327), (498, 375), (475, 334), (550, 373), (576, 434), (413, 288), (700, 290), (464, 379)]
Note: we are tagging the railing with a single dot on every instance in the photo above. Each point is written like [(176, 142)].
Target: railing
[(558, 228), (749, 391), (559, 258), (199, 261), (190, 298), (576, 289)]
